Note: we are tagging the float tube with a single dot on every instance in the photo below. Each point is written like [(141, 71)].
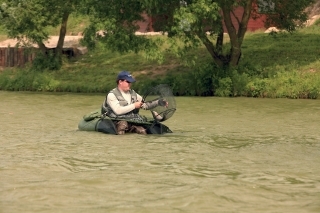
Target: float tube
[(94, 121)]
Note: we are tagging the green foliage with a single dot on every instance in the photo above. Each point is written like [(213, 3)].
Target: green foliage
[(194, 23), (224, 88), (49, 61), (317, 22), (295, 85), (4, 80), (286, 14), (285, 66), (257, 87), (239, 83), (286, 85), (30, 18), (28, 80), (30, 22), (44, 82), (206, 80), (196, 82), (201, 79), (77, 23), (2, 30), (116, 21), (18, 82)]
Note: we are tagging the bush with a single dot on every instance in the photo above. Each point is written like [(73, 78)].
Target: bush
[(225, 87), (29, 80), (239, 83), (257, 87), (197, 82), (295, 85), (43, 82), (49, 61)]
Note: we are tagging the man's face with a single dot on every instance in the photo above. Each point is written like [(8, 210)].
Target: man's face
[(124, 85)]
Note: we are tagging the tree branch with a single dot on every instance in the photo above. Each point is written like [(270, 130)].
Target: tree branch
[(211, 49), (244, 21)]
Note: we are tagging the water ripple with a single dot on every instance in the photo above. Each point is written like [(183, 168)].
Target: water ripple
[(81, 165)]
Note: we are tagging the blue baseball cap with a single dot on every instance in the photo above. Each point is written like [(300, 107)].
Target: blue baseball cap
[(125, 75)]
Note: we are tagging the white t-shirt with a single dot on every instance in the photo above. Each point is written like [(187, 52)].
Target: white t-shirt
[(115, 105)]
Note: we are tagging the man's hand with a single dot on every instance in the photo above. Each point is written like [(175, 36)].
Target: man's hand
[(163, 102), (138, 104)]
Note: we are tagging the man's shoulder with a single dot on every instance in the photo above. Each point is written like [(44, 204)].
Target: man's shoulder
[(112, 93), (113, 89)]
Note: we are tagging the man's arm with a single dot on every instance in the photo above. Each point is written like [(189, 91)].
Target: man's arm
[(116, 107), (152, 104)]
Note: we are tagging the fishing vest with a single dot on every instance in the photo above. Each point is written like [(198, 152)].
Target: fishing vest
[(132, 115)]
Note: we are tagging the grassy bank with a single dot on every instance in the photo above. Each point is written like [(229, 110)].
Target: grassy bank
[(279, 66), (3, 35)]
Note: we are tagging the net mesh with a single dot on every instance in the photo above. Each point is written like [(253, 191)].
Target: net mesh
[(167, 106)]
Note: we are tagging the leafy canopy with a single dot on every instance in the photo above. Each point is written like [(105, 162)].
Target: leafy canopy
[(187, 23), (192, 22)]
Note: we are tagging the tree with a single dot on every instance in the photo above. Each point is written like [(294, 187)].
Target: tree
[(195, 22), (115, 23), (29, 20)]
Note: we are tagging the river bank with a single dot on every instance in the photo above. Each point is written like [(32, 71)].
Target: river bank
[(280, 65)]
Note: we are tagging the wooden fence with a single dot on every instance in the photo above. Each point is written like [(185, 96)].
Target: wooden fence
[(15, 57)]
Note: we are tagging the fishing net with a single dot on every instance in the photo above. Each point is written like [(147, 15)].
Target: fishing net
[(166, 107)]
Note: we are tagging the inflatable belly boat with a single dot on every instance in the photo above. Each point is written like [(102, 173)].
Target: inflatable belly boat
[(94, 121)]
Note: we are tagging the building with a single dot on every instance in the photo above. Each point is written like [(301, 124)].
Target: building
[(256, 22)]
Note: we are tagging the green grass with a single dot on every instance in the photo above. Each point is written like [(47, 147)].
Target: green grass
[(76, 25), (297, 51), (279, 65), (3, 35)]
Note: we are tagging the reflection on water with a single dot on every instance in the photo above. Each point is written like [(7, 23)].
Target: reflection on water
[(225, 155)]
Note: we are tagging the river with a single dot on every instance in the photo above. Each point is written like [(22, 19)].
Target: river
[(224, 155)]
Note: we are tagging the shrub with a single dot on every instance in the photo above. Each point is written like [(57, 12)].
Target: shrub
[(49, 61), (225, 87), (257, 87), (239, 83)]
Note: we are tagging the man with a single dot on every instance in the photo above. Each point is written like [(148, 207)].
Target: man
[(124, 103)]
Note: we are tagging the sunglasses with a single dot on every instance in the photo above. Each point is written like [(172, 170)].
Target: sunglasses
[(127, 81)]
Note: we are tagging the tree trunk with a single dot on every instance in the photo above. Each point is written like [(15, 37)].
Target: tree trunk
[(236, 37), (63, 32), (219, 42), (211, 49), (42, 47)]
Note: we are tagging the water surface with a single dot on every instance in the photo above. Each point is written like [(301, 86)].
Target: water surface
[(225, 155)]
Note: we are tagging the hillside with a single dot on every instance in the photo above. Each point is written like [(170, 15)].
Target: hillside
[(314, 9), (280, 65)]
